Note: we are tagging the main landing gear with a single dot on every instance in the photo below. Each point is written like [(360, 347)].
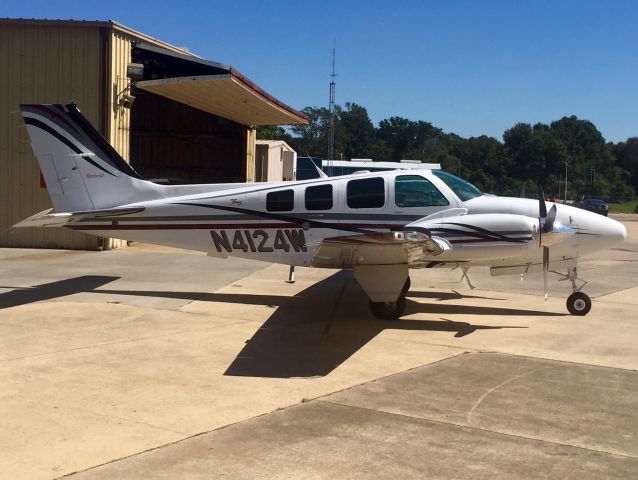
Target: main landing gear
[(386, 287), (391, 310), (578, 303), (388, 310)]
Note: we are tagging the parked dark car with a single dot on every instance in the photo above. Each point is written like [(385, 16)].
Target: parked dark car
[(594, 205)]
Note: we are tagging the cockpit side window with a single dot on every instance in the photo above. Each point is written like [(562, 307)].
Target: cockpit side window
[(416, 191), (462, 188)]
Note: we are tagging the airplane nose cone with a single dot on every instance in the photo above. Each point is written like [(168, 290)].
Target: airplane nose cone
[(614, 231)]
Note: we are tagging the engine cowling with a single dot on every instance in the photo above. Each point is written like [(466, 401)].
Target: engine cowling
[(483, 236)]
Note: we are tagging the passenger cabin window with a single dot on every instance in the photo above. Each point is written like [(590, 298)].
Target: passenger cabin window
[(319, 197), (366, 193), (417, 191), (281, 201)]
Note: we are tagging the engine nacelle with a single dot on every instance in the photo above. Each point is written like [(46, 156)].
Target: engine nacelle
[(484, 236)]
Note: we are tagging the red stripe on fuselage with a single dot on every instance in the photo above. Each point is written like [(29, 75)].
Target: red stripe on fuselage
[(226, 226)]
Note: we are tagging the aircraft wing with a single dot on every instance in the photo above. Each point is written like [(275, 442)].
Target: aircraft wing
[(48, 219), (409, 247)]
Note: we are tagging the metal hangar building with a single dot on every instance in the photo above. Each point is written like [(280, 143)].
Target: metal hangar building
[(179, 119)]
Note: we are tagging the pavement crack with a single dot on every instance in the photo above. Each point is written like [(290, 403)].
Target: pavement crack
[(493, 389), (474, 427)]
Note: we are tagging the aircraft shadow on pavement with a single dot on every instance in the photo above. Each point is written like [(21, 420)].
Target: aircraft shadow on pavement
[(293, 342), (48, 291), (315, 331), (414, 307), (453, 295)]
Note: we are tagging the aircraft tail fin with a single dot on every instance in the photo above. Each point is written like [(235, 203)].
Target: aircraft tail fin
[(81, 169)]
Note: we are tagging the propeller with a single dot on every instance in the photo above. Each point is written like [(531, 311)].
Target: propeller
[(551, 232), (546, 224)]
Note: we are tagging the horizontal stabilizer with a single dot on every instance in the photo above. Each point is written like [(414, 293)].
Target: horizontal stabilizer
[(48, 219)]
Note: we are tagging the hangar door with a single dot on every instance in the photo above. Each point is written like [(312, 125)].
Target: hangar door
[(171, 142)]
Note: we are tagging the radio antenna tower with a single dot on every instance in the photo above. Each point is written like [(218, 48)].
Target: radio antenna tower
[(332, 110)]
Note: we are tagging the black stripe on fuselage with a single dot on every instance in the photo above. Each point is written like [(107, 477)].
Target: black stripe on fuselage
[(404, 219), (288, 220), (485, 232), (473, 235), (282, 218)]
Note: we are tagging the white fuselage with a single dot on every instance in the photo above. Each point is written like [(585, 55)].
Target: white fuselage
[(286, 227)]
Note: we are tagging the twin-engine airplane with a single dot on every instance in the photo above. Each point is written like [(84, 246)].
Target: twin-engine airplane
[(378, 224)]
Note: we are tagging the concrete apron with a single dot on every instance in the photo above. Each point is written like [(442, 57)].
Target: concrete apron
[(88, 382)]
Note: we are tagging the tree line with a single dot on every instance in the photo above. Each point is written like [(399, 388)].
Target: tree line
[(528, 155)]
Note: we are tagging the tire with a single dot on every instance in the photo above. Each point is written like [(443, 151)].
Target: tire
[(579, 303), (406, 287), (388, 310)]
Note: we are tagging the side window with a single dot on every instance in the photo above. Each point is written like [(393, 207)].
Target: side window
[(281, 201), (366, 193), (319, 197), (416, 191)]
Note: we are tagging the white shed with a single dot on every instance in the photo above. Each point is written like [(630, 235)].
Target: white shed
[(275, 161)]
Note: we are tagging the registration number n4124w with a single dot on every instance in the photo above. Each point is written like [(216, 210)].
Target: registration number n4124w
[(259, 240)]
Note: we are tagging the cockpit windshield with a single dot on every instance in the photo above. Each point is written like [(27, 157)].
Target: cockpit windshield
[(462, 188)]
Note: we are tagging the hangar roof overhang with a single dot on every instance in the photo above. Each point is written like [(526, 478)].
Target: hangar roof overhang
[(225, 95), (215, 88), (187, 78)]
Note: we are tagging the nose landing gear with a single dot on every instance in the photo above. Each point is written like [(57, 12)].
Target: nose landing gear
[(578, 303)]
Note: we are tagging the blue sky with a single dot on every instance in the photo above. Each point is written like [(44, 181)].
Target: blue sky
[(469, 67)]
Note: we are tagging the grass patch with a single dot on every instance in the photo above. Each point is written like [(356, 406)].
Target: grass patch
[(625, 207)]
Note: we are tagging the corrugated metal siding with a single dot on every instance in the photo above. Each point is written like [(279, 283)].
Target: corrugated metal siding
[(120, 118), (251, 138), (40, 64)]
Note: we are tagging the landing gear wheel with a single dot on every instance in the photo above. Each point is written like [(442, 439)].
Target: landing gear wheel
[(406, 287), (388, 310), (579, 303)]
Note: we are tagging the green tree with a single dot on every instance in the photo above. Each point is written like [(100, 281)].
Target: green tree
[(359, 131), (272, 132), (408, 139), (312, 139), (380, 151), (626, 154)]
